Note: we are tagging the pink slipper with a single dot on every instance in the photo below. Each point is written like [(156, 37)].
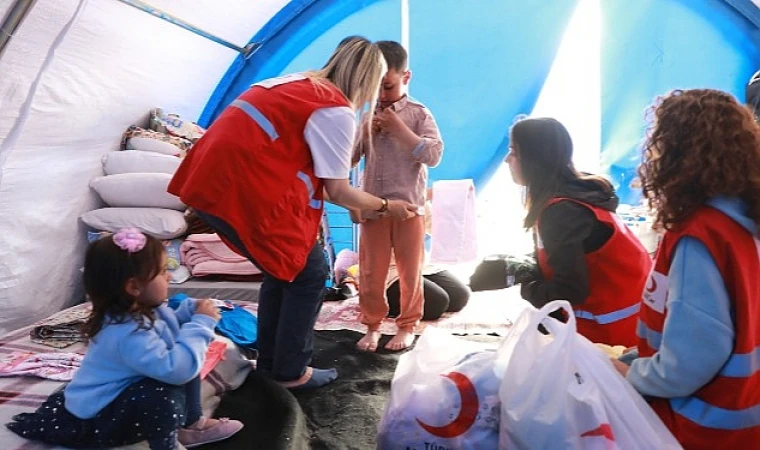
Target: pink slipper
[(200, 433)]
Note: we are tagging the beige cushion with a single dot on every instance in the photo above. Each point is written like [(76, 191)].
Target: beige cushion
[(147, 144), (137, 161), (137, 190), (158, 222)]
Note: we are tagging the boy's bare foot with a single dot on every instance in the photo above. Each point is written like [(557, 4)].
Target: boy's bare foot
[(369, 342), (402, 340)]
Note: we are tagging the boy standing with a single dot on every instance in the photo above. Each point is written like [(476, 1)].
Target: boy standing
[(405, 142)]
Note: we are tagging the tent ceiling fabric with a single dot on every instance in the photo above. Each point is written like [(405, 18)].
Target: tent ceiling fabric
[(115, 63), (514, 81)]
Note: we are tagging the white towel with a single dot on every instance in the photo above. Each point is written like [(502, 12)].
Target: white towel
[(454, 234)]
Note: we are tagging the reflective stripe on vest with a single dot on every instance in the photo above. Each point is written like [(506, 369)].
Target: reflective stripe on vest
[(614, 316), (268, 128), (710, 416), (313, 202), (742, 365), (257, 117)]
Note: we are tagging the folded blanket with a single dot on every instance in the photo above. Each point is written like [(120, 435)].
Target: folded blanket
[(206, 254)]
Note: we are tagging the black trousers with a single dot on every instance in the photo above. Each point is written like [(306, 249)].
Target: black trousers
[(287, 311), (443, 293)]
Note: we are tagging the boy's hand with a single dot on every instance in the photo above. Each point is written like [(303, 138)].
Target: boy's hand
[(388, 121), (376, 125)]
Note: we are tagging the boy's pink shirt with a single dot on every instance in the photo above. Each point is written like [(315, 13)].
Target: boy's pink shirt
[(399, 173)]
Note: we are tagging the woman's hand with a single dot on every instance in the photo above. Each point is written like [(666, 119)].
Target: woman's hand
[(207, 307), (621, 367), (401, 210), (356, 216)]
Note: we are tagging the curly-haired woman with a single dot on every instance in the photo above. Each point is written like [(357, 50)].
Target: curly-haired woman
[(698, 359)]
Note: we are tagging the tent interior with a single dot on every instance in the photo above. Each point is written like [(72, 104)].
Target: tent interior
[(75, 74)]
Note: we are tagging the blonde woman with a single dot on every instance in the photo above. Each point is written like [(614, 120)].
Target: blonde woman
[(259, 178)]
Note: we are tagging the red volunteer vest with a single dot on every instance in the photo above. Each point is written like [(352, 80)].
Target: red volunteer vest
[(617, 273), (254, 170), (725, 413)]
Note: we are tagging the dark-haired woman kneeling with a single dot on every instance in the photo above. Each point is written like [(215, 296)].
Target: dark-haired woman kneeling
[(585, 253)]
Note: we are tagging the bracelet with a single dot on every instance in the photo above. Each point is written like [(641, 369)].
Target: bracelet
[(384, 207)]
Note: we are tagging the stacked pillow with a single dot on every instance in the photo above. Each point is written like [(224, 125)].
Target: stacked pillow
[(135, 182), (134, 190)]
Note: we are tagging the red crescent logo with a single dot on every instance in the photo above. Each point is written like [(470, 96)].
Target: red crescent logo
[(467, 414), (604, 430), (652, 286)]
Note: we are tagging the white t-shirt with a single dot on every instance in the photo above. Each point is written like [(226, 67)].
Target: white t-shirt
[(330, 135)]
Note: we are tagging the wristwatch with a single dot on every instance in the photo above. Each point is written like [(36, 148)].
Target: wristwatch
[(384, 207)]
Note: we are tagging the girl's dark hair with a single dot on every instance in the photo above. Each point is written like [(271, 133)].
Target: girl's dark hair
[(701, 144), (544, 151), (107, 268)]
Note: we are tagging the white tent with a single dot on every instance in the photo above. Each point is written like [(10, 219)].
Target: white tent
[(77, 73)]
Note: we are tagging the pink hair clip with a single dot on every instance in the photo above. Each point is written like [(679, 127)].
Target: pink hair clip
[(130, 239)]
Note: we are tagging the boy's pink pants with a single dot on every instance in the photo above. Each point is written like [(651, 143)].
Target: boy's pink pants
[(407, 241)]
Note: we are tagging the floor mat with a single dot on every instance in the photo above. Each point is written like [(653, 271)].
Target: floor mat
[(488, 312), (345, 414), (342, 415), (272, 417)]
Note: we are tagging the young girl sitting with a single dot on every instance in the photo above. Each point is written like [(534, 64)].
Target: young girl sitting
[(697, 359), (139, 379)]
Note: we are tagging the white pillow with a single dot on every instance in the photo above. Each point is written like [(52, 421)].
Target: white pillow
[(147, 144), (160, 223), (137, 190), (136, 161)]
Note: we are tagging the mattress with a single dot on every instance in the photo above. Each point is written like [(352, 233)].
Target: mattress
[(247, 291), (19, 394)]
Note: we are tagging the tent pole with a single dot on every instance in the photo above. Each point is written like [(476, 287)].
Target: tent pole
[(12, 21), (246, 51)]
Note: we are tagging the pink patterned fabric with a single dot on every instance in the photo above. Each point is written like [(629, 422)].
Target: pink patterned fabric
[(53, 366), (487, 312)]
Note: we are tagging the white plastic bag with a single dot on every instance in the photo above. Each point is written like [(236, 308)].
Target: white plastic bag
[(444, 395), (563, 392)]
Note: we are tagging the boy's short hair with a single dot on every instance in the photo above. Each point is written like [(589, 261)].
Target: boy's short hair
[(395, 55)]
